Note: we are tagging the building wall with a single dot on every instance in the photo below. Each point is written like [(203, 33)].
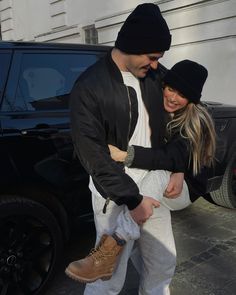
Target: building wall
[(55, 20), (204, 31)]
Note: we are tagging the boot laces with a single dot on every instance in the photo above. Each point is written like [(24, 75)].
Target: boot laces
[(98, 254)]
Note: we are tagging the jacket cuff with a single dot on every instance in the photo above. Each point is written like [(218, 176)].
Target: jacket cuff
[(133, 203), (130, 156)]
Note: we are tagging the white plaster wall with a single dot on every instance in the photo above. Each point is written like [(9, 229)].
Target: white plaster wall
[(28, 18), (219, 57), (204, 31), (32, 19), (84, 12)]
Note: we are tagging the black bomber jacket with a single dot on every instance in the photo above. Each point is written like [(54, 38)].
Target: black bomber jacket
[(104, 111)]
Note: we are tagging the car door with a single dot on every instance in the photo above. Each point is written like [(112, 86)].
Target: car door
[(35, 117)]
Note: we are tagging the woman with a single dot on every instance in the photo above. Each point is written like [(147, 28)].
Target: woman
[(190, 145), (189, 149)]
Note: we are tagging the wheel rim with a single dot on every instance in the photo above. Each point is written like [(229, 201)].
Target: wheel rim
[(26, 254)]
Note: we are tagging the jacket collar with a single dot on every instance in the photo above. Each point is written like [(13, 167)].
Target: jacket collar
[(113, 69)]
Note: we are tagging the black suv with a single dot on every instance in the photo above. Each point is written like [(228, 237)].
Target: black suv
[(43, 186)]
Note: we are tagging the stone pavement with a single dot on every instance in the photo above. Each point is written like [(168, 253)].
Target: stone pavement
[(206, 245)]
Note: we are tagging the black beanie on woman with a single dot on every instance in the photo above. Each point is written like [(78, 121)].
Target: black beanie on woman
[(187, 77), (144, 31)]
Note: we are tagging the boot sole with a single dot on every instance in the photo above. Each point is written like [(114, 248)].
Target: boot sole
[(71, 275)]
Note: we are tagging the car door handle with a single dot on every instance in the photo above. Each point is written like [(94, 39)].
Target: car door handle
[(39, 132)]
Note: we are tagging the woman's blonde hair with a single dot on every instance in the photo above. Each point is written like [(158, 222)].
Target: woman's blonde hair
[(196, 125)]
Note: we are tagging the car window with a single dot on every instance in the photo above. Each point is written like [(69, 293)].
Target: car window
[(4, 66), (46, 80)]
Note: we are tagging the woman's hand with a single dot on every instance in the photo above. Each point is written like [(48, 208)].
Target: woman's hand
[(175, 185), (117, 154)]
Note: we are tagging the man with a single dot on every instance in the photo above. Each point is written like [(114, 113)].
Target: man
[(119, 101)]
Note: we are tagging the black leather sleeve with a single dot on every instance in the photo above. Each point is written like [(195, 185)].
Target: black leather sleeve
[(173, 156)]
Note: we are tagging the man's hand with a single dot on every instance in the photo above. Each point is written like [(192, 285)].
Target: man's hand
[(175, 185), (117, 154), (144, 210)]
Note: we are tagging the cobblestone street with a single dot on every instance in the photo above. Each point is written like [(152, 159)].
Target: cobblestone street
[(206, 246)]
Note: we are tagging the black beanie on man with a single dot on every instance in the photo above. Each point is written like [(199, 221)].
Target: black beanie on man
[(144, 31), (187, 77)]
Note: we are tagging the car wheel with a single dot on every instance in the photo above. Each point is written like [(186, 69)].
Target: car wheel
[(30, 246), (226, 195)]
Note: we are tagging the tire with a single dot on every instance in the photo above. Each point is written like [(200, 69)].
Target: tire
[(30, 246), (226, 195)]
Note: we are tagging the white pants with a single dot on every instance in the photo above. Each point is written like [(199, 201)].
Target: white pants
[(154, 185), (154, 254)]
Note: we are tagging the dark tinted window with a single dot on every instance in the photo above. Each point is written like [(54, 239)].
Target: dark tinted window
[(46, 80), (4, 66)]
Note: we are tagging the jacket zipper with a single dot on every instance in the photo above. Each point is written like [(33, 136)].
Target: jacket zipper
[(129, 127), (130, 116), (104, 210)]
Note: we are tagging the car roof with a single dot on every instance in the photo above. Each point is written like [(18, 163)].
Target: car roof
[(49, 45)]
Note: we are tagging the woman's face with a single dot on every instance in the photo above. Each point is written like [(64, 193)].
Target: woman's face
[(173, 100)]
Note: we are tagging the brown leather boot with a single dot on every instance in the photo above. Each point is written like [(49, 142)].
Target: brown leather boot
[(99, 264)]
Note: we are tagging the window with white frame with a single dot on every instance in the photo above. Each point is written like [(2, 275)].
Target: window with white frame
[(91, 35)]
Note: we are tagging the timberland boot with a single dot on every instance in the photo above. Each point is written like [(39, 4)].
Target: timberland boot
[(99, 264)]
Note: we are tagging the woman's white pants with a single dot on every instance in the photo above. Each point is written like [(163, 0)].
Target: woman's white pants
[(150, 246)]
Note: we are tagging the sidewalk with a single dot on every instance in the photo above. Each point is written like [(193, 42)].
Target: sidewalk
[(206, 246)]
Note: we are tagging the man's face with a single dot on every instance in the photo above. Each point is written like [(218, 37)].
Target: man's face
[(139, 65)]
